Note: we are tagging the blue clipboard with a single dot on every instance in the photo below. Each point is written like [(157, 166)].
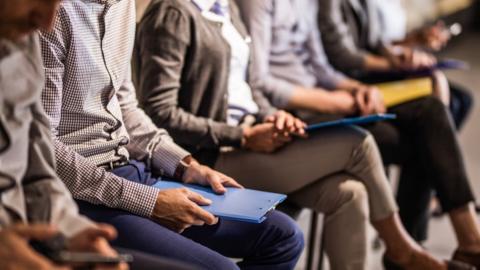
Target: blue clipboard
[(452, 64), (351, 121), (245, 205), (443, 64)]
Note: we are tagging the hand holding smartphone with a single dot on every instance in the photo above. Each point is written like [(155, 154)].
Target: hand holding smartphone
[(55, 249)]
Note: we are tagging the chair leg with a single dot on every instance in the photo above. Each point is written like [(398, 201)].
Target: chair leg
[(311, 252), (322, 249)]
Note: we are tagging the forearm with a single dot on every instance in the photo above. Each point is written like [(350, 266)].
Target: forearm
[(95, 185), (319, 100), (376, 63)]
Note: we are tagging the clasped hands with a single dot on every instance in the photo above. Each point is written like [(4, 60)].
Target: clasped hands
[(179, 209)]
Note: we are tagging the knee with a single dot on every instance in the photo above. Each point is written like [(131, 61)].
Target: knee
[(432, 110), (286, 234), (353, 197)]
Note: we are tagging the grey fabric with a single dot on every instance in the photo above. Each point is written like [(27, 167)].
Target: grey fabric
[(287, 48), (350, 29), (30, 190), (181, 66), (92, 105)]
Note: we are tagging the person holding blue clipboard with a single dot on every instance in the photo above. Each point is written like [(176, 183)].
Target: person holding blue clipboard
[(192, 65), (292, 68)]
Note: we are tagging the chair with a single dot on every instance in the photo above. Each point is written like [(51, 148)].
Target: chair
[(315, 254)]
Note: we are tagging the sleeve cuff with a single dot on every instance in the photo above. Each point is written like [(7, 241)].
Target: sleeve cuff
[(282, 93), (167, 155), (227, 135), (138, 199), (72, 226)]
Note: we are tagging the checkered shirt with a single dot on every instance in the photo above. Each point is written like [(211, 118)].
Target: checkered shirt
[(93, 109)]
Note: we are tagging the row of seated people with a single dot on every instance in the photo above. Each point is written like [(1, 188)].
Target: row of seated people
[(214, 81)]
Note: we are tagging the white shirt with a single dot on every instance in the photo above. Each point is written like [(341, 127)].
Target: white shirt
[(240, 99)]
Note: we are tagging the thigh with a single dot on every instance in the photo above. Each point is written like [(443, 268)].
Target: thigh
[(249, 240), (296, 165), (329, 194), (144, 235), (388, 138), (145, 261)]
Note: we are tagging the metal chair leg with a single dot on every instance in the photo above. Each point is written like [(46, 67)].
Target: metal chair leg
[(312, 240)]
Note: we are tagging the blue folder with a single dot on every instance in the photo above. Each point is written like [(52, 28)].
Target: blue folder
[(245, 205), (443, 64), (351, 121)]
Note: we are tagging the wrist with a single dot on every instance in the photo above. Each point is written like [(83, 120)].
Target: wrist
[(182, 167), (246, 134)]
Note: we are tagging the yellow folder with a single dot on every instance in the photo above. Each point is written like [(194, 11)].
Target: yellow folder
[(399, 92)]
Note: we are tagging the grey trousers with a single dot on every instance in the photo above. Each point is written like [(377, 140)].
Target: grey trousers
[(336, 171)]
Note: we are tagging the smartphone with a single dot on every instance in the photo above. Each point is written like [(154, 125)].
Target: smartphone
[(55, 249), (68, 257)]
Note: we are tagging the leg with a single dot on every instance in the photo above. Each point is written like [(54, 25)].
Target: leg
[(413, 194), (276, 243), (432, 132), (144, 261), (144, 235), (344, 202)]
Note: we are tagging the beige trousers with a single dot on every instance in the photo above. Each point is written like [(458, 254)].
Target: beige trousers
[(335, 171)]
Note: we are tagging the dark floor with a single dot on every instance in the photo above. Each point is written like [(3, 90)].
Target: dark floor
[(442, 241)]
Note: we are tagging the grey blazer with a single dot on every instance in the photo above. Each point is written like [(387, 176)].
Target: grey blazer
[(30, 190), (181, 64), (350, 29)]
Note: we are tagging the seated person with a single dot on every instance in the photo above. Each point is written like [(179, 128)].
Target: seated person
[(422, 139), (35, 204), (393, 24), (354, 41), (109, 153), (192, 66)]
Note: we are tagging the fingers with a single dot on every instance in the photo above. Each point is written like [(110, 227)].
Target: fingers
[(229, 182), (280, 120), (203, 215), (35, 231), (197, 198), (360, 100), (107, 231), (290, 123), (215, 181)]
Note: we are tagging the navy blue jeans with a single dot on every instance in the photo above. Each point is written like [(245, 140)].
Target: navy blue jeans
[(274, 244)]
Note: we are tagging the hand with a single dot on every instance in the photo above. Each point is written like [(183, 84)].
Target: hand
[(203, 175), (264, 138), (178, 209), (345, 102), (406, 58), (285, 122), (435, 37), (16, 253), (369, 100), (95, 240)]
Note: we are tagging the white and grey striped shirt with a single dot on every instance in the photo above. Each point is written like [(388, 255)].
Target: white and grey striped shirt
[(93, 109)]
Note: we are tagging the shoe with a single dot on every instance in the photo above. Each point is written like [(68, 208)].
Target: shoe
[(451, 265), (472, 258)]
